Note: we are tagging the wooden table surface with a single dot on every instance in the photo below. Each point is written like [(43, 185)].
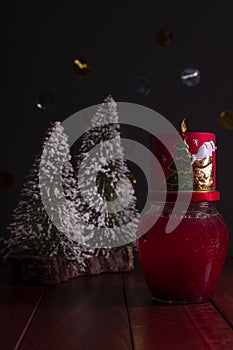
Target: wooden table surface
[(111, 311)]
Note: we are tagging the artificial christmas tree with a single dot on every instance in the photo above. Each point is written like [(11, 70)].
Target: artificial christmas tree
[(45, 253), (106, 193), (55, 232)]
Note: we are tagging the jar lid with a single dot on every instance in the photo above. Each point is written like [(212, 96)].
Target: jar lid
[(197, 196)]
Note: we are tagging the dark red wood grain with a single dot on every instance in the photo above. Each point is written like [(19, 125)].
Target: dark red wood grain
[(111, 311), (85, 313), (18, 303), (156, 326), (223, 298)]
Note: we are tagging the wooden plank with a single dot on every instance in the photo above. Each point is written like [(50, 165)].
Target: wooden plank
[(84, 313), (157, 326), (180, 327), (18, 304), (223, 298)]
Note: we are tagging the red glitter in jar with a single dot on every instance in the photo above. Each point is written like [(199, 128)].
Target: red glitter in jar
[(186, 264)]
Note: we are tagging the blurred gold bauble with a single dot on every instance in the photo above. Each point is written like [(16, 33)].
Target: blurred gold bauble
[(225, 119), (6, 181), (164, 37), (81, 67), (131, 178)]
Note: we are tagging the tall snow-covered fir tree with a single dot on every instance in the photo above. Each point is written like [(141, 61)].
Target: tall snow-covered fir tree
[(32, 231), (109, 214)]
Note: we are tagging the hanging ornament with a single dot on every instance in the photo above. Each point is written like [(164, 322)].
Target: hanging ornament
[(6, 181), (44, 100), (225, 119), (164, 37), (81, 67), (190, 76), (142, 86), (131, 178)]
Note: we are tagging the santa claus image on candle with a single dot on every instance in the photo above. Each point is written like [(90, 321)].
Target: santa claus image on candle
[(203, 170)]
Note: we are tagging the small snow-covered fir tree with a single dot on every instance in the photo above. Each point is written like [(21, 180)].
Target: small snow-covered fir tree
[(184, 181), (109, 214), (32, 231)]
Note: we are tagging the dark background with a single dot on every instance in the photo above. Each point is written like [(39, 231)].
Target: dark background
[(40, 41)]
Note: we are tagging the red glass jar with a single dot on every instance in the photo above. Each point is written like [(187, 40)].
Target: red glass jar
[(184, 266)]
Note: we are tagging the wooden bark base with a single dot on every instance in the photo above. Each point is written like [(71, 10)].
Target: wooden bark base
[(54, 270)]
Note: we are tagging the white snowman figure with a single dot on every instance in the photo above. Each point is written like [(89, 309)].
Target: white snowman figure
[(203, 167)]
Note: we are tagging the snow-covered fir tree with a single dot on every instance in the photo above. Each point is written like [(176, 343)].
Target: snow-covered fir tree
[(109, 214), (32, 230)]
